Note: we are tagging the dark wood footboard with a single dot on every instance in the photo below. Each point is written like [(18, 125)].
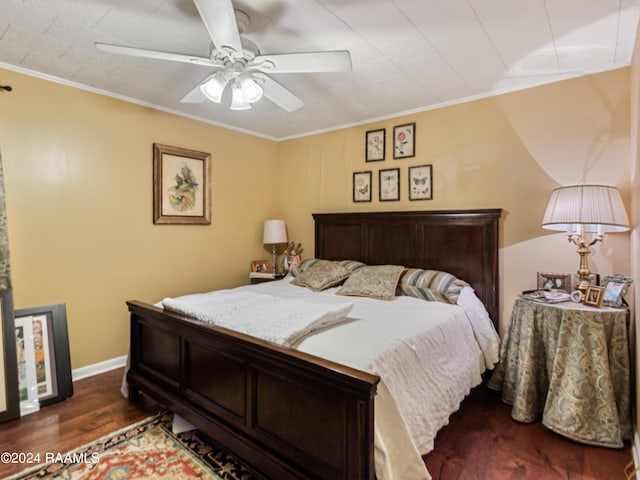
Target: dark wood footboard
[(288, 414)]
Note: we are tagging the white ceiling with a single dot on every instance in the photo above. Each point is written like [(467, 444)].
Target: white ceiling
[(407, 55)]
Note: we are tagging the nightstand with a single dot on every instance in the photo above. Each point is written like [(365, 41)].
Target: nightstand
[(569, 362)]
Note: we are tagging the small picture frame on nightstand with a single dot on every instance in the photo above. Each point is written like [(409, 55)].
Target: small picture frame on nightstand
[(616, 287), (554, 281), (593, 296), (261, 266)]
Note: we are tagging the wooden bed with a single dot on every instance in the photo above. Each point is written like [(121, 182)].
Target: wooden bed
[(286, 413)]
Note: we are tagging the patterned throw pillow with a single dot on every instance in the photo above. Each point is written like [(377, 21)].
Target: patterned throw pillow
[(309, 262), (322, 275), (378, 281), (431, 285), (303, 265)]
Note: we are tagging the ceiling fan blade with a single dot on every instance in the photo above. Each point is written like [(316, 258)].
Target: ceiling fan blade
[(335, 61), (220, 21), (278, 94), (156, 54)]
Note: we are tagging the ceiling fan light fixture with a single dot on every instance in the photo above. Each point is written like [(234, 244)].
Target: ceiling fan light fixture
[(251, 90), (238, 102), (214, 87)]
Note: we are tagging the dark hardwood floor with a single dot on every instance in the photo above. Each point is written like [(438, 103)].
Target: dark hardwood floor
[(481, 441)]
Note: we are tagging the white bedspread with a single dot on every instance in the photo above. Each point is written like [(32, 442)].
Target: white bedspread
[(278, 320), (428, 355)]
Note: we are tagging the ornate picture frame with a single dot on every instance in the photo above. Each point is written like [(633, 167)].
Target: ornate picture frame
[(375, 145), (404, 141), (362, 186), (389, 184), (554, 281), (49, 345), (615, 288), (421, 182), (181, 186)]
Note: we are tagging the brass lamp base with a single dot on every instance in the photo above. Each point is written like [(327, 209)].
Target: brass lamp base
[(584, 251)]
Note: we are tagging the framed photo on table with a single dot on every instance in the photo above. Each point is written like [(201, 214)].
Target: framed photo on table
[(261, 266), (615, 288), (46, 346), (554, 281), (593, 296)]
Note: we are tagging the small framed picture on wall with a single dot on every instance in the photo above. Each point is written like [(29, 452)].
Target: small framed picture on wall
[(389, 184), (362, 186), (421, 182), (404, 141), (375, 145)]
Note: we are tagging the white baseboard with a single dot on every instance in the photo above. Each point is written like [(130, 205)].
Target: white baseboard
[(96, 368)]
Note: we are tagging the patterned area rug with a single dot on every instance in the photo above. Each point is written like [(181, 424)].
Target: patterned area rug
[(146, 450)]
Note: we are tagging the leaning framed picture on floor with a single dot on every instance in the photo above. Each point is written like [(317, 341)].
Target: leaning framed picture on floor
[(46, 343)]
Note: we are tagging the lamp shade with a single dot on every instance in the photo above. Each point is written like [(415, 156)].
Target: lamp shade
[(598, 208), (274, 232), (214, 87)]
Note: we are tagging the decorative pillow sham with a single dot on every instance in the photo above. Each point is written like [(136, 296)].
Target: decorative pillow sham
[(309, 262), (378, 281), (303, 265), (322, 275), (431, 285)]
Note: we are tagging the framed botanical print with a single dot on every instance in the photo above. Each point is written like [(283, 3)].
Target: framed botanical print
[(389, 184), (181, 186), (404, 141), (375, 145), (421, 182), (362, 186)]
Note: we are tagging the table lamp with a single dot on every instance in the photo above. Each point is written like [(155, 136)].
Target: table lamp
[(274, 233), (586, 213)]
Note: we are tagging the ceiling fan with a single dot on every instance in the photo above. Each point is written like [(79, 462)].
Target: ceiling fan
[(239, 63)]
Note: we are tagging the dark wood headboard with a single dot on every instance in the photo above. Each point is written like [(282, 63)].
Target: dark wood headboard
[(462, 242)]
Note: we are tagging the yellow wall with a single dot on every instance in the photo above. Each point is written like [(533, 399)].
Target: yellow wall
[(78, 170), (506, 152)]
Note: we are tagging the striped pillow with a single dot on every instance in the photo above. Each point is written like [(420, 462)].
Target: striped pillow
[(431, 285)]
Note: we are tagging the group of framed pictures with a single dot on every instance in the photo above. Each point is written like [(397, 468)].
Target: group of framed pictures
[(420, 184), (420, 177), (42, 350), (404, 143), (610, 293)]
